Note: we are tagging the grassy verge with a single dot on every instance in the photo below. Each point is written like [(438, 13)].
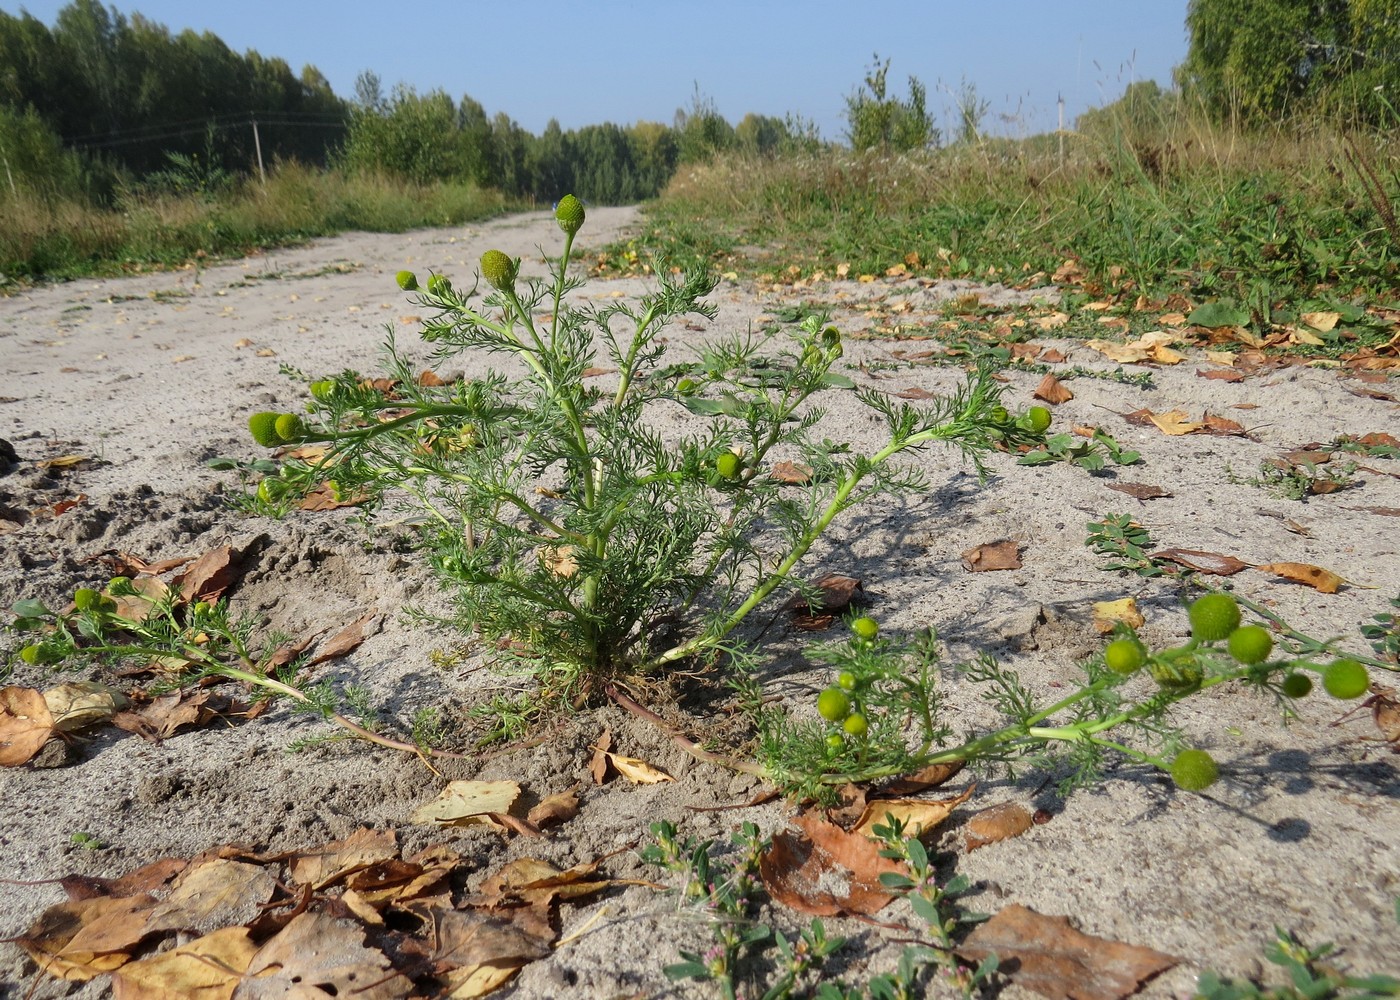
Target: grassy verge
[(56, 238), (1260, 218)]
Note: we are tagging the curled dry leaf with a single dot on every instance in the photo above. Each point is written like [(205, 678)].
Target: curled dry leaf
[(557, 808), (210, 576), (81, 939), (793, 473), (1212, 563), (217, 893), (1049, 956), (823, 870), (1322, 580), (1385, 712), (924, 778), (636, 770), (998, 822), (25, 725), (598, 765), (990, 556), (919, 817), (1052, 391)]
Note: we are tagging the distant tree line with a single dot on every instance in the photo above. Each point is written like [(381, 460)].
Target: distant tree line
[(102, 102)]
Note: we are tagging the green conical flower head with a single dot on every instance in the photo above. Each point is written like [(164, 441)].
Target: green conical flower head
[(289, 426), (569, 214), (263, 427), (498, 269), (1195, 770)]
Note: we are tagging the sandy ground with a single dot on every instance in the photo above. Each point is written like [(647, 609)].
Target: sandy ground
[(146, 376)]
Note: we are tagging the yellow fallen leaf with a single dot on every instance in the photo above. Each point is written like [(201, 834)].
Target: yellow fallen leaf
[(80, 704), (1174, 422), (1322, 580), (636, 770), (1124, 610), (1226, 358), (62, 461), (465, 803), (1297, 336), (918, 816), (1051, 321), (1323, 321)]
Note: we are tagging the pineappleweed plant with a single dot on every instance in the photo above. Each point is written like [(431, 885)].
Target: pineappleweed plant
[(581, 541)]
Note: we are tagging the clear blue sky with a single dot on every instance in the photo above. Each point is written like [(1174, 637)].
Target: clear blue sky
[(629, 60)]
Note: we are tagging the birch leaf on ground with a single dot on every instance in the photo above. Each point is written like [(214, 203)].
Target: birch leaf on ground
[(985, 558), (80, 704), (25, 725), (637, 771), (919, 817), (317, 955), (331, 862), (208, 968), (1202, 562), (1047, 955), (1322, 580), (995, 823), (1052, 391), (824, 870), (467, 803), (217, 893)]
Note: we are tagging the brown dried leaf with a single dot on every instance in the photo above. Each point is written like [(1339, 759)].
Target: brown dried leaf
[(598, 766), (25, 725), (532, 881), (1385, 711), (1049, 956), (1220, 374), (327, 497), (837, 594), (137, 607), (208, 968), (430, 379), (317, 956), (824, 870), (923, 779), (794, 473), (1382, 511), (348, 639), (332, 862), (80, 939), (480, 951), (914, 392), (990, 556), (1053, 356), (919, 816), (595, 372), (998, 822), (169, 713), (557, 808), (1202, 562), (1321, 580), (217, 893), (210, 576), (1142, 491), (1223, 427), (148, 878), (1052, 391)]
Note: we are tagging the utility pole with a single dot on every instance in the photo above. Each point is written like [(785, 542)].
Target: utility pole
[(257, 145), (1060, 132)]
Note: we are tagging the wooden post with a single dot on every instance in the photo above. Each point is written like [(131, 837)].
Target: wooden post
[(257, 145), (1060, 132)]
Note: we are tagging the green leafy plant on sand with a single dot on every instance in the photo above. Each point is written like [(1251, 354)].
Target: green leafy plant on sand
[(576, 536)]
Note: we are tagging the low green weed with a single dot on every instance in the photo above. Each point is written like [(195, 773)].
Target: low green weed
[(1093, 453), (572, 534), (1312, 974)]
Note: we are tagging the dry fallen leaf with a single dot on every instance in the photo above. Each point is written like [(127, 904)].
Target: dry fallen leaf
[(1052, 391), (923, 779), (1321, 580), (1047, 955), (207, 968), (468, 803), (339, 858), (210, 576), (1150, 347), (557, 808), (636, 770), (315, 956), (1003, 554), (80, 939), (823, 870), (1174, 422), (218, 893), (80, 704), (793, 473), (1109, 613), (25, 725), (1141, 491), (1202, 562), (998, 822), (348, 639), (918, 816)]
